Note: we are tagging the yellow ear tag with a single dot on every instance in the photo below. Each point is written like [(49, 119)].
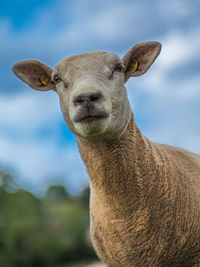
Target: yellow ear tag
[(45, 80), (134, 65)]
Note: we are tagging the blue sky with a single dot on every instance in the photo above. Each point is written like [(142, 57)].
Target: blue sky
[(34, 141)]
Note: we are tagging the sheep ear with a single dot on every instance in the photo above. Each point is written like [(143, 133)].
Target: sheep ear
[(36, 74), (139, 58)]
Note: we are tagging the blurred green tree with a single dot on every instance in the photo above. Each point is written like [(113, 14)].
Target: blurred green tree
[(51, 231), (7, 182), (56, 193)]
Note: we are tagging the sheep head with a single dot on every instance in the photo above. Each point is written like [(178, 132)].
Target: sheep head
[(91, 88)]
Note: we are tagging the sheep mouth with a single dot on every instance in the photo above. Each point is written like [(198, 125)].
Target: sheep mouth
[(91, 117)]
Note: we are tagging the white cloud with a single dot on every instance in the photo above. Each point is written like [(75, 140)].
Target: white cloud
[(28, 111), (180, 47)]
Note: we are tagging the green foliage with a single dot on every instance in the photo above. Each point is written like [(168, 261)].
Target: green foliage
[(85, 196), (56, 192), (7, 182), (52, 231)]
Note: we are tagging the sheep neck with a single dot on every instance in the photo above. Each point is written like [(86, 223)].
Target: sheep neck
[(115, 168)]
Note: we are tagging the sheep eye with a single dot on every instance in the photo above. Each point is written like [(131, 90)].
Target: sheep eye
[(56, 79), (118, 68)]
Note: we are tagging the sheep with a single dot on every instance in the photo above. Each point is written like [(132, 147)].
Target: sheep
[(145, 196)]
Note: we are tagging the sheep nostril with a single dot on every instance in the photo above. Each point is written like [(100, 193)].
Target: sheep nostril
[(79, 100), (94, 97)]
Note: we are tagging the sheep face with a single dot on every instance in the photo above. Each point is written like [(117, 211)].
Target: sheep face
[(92, 94), (91, 87)]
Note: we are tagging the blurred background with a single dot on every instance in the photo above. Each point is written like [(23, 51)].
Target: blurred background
[(43, 183)]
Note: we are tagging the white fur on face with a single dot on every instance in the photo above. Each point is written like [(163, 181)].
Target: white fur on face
[(88, 74)]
